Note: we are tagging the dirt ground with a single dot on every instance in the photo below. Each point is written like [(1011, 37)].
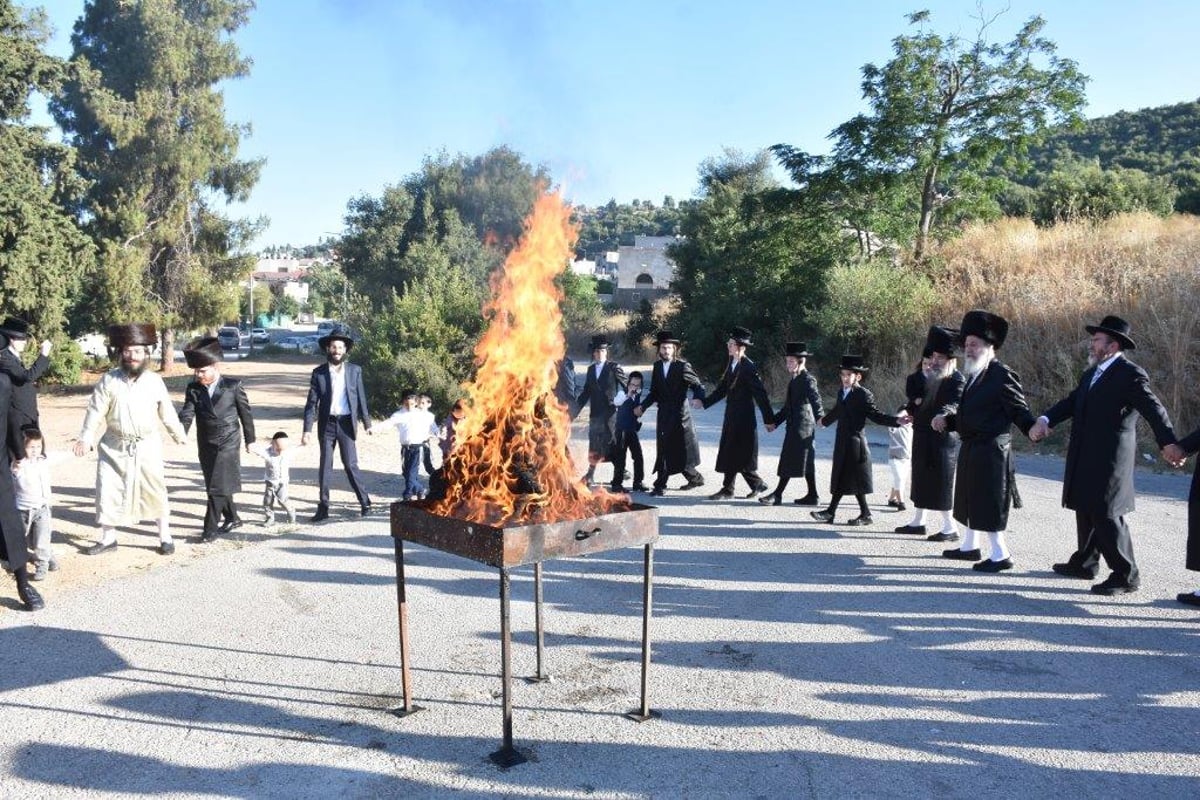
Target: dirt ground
[(277, 391)]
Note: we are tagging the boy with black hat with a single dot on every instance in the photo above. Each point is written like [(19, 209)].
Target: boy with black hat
[(14, 338), (800, 413), (743, 388), (604, 380), (671, 379)]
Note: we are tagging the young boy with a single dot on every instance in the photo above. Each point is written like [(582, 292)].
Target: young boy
[(446, 433), (277, 473), (627, 427), (851, 455), (426, 402), (31, 482), (415, 427)]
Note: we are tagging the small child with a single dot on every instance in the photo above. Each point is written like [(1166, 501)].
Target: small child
[(627, 426), (277, 473), (31, 482), (415, 427), (900, 462)]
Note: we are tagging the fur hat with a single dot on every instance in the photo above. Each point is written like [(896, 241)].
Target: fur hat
[(340, 331), (939, 340), (202, 352), (1115, 327), (132, 335), (992, 328)]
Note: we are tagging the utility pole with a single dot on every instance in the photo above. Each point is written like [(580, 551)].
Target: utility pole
[(251, 283)]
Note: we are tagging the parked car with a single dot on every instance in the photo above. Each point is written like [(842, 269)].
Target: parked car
[(231, 338), (297, 344), (259, 335)]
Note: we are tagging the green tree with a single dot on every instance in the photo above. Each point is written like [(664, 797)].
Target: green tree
[(43, 253), (143, 108), (1080, 190), (943, 111)]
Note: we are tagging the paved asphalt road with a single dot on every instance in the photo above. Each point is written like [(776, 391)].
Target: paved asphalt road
[(791, 659)]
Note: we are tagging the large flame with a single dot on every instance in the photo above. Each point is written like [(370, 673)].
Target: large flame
[(510, 461)]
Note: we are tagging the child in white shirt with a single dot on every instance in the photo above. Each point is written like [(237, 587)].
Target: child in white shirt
[(415, 427), (277, 473), (31, 482)]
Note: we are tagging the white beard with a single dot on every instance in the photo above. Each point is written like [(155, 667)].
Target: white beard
[(974, 366), (1092, 360)]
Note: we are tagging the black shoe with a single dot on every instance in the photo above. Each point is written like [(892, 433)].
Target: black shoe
[(617, 488), (822, 516), (321, 515), (993, 566), (962, 555), (166, 548), (230, 525), (771, 500), (755, 491), (916, 530), (641, 487), (1114, 584), (30, 597), (365, 510), (1069, 570), (101, 547), (900, 507), (942, 536), (1188, 598), (894, 503), (658, 491), (861, 519), (208, 536), (723, 494), (807, 500), (692, 485)]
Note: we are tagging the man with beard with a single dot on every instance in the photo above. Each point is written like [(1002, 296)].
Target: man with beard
[(220, 408), (14, 549), (934, 451), (670, 380), (604, 380), (337, 401), (1098, 482), (14, 338), (130, 403), (992, 402), (743, 389), (800, 413)]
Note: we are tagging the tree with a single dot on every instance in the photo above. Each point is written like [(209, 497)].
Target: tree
[(1080, 190), (943, 111), (43, 253), (143, 109)]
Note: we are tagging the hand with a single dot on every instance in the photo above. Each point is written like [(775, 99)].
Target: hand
[(770, 427), (304, 437), (79, 448), (638, 411), (47, 346), (1039, 431), (938, 423), (905, 418), (1174, 455)]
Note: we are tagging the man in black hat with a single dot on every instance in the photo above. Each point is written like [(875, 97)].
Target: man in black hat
[(604, 380), (742, 388), (934, 452), (14, 338), (800, 413), (1098, 483), (14, 549), (984, 482), (337, 401), (221, 410), (670, 381)]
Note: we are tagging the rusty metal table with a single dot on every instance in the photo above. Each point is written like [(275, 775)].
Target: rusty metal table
[(515, 546)]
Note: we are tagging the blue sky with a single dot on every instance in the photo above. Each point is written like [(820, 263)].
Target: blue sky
[(619, 99)]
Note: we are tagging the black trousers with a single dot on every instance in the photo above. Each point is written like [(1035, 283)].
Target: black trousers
[(628, 442), (337, 432), (1099, 535), (752, 479), (810, 468), (220, 506)]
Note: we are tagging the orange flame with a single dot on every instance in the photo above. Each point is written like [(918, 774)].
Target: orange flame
[(510, 461)]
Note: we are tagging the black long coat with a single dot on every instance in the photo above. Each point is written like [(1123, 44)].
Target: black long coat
[(1099, 472), (13, 548), (1191, 444), (599, 393), (24, 409), (851, 454), (217, 431), (800, 413), (675, 435), (742, 389), (984, 487), (933, 453)]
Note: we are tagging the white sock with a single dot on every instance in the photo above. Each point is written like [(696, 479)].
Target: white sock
[(1197, 593), (164, 529), (999, 546), (918, 518), (969, 540), (108, 535), (948, 525)]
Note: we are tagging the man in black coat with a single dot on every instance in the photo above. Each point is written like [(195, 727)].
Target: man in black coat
[(14, 550), (742, 389), (992, 402), (1098, 483), (800, 412), (14, 338), (604, 380), (934, 452), (221, 410), (670, 381), (337, 401), (1177, 454)]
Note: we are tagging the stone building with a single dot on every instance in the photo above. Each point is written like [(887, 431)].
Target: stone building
[(643, 271)]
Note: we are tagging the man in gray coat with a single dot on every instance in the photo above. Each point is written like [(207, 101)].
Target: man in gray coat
[(1098, 484)]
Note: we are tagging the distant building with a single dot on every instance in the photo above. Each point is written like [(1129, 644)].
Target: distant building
[(583, 266), (643, 271), (290, 272)]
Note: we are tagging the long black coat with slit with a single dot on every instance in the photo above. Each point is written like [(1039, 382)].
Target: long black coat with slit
[(851, 454), (1191, 445), (800, 413), (217, 431), (934, 454), (742, 389), (675, 435)]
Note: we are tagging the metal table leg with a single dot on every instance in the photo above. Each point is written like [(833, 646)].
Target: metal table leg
[(541, 676), (405, 652), (644, 713), (507, 755)]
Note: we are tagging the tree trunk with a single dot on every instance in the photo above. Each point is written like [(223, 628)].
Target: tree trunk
[(167, 355), (927, 209)]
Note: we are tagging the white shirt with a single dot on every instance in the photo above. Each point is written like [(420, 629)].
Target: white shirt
[(31, 480), (278, 465), (1103, 365), (339, 402), (414, 426)]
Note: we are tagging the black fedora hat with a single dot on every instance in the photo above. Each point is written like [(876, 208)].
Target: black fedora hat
[(202, 352), (992, 328), (14, 328), (1115, 327), (854, 363), (939, 340), (797, 349), (740, 335), (598, 341), (340, 331), (665, 337)]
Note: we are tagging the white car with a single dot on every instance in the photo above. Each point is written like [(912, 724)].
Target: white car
[(296, 344), (259, 336)]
